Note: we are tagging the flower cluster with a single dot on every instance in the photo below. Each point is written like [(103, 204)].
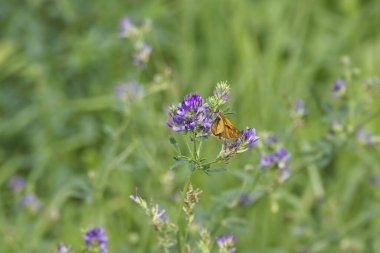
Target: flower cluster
[(16, 183), (192, 197), (338, 88), (297, 112), (30, 201), (364, 137), (220, 96), (158, 216), (128, 91), (276, 155), (62, 248), (190, 115), (158, 219), (141, 55), (226, 243), (136, 34), (96, 240), (240, 144)]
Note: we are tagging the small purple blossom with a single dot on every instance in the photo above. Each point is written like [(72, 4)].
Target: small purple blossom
[(363, 136), (190, 115), (279, 158), (221, 92), (338, 87), (374, 179), (61, 248), (16, 182), (159, 214), (244, 199), (125, 25), (271, 138), (298, 104), (267, 159), (31, 201), (282, 154), (129, 90), (135, 197), (226, 242), (141, 56), (98, 234), (249, 138)]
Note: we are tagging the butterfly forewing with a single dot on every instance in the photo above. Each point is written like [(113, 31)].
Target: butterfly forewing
[(223, 128)]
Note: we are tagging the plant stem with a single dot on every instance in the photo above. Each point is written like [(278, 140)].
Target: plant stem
[(183, 196), (180, 209)]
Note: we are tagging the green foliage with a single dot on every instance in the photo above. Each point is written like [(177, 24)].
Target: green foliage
[(83, 150)]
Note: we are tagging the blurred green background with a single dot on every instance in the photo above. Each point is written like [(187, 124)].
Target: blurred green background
[(62, 128)]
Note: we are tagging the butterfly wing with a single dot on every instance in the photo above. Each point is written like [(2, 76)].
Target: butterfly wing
[(217, 127), (230, 131)]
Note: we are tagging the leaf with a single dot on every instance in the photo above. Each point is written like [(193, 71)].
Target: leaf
[(215, 170), (173, 141), (176, 164)]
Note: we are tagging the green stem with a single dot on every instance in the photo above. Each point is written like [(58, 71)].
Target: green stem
[(180, 209), (183, 196)]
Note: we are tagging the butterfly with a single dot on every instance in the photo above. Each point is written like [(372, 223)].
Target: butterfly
[(223, 128)]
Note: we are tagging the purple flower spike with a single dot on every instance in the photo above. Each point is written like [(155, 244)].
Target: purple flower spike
[(61, 248), (136, 196), (98, 234), (226, 242), (271, 138), (16, 182), (363, 136), (267, 159), (125, 25), (31, 201), (298, 104), (141, 56), (222, 92), (339, 87), (282, 154), (159, 213), (190, 115), (249, 137), (245, 199)]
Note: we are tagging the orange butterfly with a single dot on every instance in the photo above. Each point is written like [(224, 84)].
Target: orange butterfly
[(223, 128)]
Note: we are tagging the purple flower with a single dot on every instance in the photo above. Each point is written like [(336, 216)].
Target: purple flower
[(339, 87), (267, 159), (159, 214), (125, 24), (271, 138), (282, 154), (244, 199), (98, 234), (284, 172), (298, 104), (141, 56), (129, 90), (222, 92), (61, 248), (190, 115), (239, 145), (135, 197), (226, 242), (363, 136), (31, 201), (16, 182), (279, 158), (374, 180), (249, 138)]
